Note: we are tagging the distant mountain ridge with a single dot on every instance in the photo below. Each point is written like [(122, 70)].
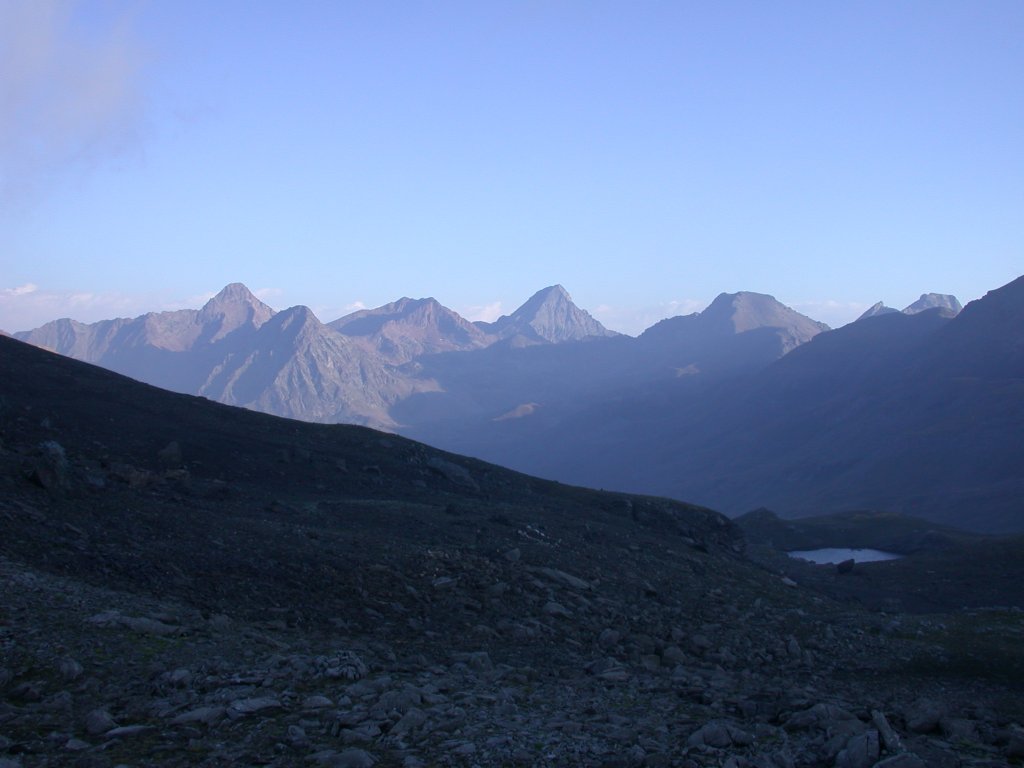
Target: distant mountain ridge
[(914, 413), (408, 328), (548, 316), (239, 351), (927, 301), (746, 404)]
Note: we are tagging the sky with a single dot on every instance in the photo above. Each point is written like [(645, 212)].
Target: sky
[(645, 155)]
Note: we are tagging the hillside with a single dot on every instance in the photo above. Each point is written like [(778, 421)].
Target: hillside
[(188, 583), (914, 413)]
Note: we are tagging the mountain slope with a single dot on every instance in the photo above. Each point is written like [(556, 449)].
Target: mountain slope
[(920, 414), (237, 350), (296, 367)]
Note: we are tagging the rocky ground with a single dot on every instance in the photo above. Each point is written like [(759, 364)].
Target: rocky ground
[(185, 584)]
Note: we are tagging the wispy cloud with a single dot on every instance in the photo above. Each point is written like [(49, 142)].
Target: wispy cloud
[(70, 94), (21, 290), (830, 311), (487, 313), (29, 306), (267, 294), (634, 320)]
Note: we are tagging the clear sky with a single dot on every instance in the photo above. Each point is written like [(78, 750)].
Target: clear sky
[(645, 155)]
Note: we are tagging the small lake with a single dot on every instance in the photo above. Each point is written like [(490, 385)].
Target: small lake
[(837, 555)]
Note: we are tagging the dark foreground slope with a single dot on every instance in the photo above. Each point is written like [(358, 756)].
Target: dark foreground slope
[(186, 583)]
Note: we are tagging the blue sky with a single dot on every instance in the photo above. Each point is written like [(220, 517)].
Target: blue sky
[(646, 155)]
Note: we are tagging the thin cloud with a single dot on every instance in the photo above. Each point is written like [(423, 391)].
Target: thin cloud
[(486, 313), (70, 95), (266, 294), (635, 320), (21, 290), (832, 312), (28, 306)]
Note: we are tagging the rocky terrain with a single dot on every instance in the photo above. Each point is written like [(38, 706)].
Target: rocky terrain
[(189, 584)]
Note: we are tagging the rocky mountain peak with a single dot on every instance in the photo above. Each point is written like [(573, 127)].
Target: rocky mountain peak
[(407, 328), (235, 306), (933, 300), (746, 311), (876, 309), (548, 316)]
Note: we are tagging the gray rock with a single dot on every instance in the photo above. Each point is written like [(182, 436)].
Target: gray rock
[(793, 648), (673, 655), (49, 468), (146, 626), (719, 735), (861, 751), (362, 734), (70, 669), (179, 678), (608, 638), (553, 608), (564, 578), (205, 715), (905, 760), (245, 707), (890, 739), (411, 721), (959, 728), (924, 715), (343, 665), (98, 722), (316, 702)]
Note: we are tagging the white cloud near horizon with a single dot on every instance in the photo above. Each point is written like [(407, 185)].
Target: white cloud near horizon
[(832, 312), (28, 306), (633, 320), (486, 313), (70, 94)]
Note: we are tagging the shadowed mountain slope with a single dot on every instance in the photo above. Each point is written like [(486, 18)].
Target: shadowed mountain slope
[(920, 414), (504, 404), (927, 301), (239, 351), (172, 349)]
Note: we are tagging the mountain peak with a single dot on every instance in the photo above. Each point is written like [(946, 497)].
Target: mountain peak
[(548, 316), (746, 310), (234, 307), (407, 328), (876, 309), (932, 300)]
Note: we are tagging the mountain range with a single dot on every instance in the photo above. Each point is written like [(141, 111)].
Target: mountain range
[(745, 404), (915, 413)]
